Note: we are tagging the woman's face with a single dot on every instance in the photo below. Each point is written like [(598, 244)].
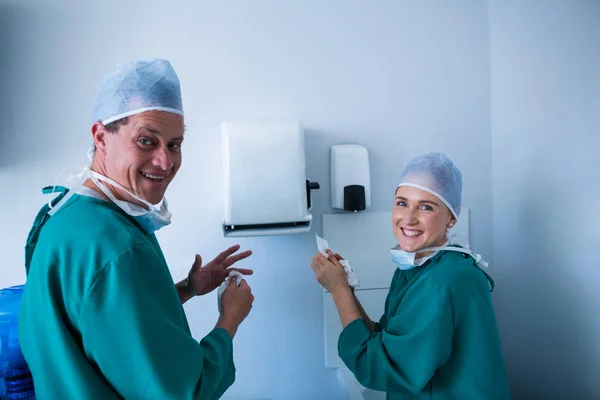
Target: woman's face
[(419, 219)]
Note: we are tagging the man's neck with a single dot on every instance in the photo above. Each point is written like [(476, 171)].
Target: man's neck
[(99, 169)]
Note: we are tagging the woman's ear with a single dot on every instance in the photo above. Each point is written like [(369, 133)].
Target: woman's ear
[(452, 222)]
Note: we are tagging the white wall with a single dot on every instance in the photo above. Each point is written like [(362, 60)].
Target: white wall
[(400, 78), (545, 70)]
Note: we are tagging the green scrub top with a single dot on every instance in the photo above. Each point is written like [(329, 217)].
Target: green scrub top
[(100, 316), (437, 339)]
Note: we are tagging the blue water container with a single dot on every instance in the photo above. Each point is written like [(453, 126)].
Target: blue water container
[(16, 381)]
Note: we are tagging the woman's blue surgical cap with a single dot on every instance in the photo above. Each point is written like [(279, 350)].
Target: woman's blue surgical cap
[(435, 174), (138, 86)]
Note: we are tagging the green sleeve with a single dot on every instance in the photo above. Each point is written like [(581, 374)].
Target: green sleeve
[(404, 356), (382, 321), (134, 329)]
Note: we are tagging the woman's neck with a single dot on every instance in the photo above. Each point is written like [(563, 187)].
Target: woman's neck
[(439, 243)]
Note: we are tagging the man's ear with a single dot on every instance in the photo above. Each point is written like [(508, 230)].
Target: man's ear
[(99, 135)]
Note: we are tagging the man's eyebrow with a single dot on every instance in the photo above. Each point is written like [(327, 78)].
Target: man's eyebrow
[(155, 132), (148, 129)]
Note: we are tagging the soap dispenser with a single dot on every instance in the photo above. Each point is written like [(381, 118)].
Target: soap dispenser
[(350, 177)]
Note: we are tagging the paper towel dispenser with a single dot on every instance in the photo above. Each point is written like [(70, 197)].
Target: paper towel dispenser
[(266, 190)]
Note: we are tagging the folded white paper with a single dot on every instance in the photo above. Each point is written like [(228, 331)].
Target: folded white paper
[(224, 285), (323, 245)]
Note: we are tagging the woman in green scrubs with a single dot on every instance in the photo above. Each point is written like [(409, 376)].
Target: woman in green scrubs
[(437, 338)]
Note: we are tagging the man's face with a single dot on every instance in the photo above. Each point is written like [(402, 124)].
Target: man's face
[(144, 154)]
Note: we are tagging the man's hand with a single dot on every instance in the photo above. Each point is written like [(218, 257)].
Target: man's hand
[(236, 303), (204, 279)]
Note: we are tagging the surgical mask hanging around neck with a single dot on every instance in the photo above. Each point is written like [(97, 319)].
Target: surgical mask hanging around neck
[(151, 219), (406, 261)]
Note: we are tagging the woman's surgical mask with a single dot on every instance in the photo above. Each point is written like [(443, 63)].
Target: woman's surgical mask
[(151, 219), (406, 261)]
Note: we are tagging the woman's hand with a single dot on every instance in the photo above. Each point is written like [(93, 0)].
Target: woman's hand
[(329, 272)]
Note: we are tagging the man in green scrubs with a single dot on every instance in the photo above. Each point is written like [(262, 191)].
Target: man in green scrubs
[(100, 316), (437, 338)]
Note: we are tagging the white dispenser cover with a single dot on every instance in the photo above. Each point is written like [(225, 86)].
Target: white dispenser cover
[(265, 183)]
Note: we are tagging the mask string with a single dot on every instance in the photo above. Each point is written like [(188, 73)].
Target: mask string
[(70, 178)]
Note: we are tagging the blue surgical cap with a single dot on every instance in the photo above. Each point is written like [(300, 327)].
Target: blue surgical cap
[(437, 175), (138, 86)]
